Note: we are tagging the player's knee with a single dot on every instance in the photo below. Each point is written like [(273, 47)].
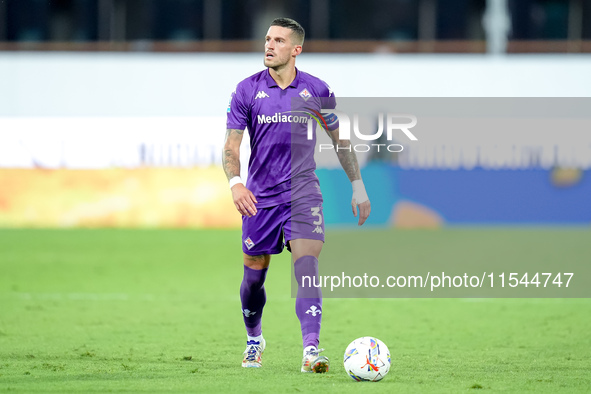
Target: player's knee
[(257, 262), (305, 247)]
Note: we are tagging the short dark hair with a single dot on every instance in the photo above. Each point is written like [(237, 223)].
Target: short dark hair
[(295, 27)]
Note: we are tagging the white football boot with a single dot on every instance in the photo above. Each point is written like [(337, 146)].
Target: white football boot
[(253, 353), (313, 362)]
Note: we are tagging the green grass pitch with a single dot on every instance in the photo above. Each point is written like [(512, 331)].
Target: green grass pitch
[(158, 310)]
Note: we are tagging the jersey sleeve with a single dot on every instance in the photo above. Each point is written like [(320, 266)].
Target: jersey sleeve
[(237, 110), (328, 99)]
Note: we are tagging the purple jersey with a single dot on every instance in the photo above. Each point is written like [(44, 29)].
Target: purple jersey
[(281, 166)]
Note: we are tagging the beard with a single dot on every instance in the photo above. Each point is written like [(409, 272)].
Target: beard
[(275, 62)]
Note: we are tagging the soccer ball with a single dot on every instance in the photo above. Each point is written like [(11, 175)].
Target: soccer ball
[(367, 359)]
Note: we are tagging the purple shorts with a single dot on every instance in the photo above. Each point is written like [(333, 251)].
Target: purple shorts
[(264, 233)]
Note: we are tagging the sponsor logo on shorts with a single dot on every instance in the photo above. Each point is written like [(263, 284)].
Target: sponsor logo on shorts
[(318, 230), (248, 242)]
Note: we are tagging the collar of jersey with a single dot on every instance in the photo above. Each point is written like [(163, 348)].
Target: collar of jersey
[(271, 82)]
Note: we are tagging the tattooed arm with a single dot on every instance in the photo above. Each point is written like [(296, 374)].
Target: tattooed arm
[(243, 198), (348, 161)]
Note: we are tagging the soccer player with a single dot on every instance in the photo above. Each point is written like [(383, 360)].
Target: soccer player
[(282, 198)]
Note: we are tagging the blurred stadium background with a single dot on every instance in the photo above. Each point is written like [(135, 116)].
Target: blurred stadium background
[(112, 112)]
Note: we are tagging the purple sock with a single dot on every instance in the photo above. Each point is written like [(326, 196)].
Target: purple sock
[(308, 299), (253, 297)]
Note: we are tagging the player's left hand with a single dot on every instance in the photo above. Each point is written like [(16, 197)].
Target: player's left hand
[(364, 210), (360, 200)]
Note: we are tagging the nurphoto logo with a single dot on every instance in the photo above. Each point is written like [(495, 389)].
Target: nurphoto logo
[(399, 123)]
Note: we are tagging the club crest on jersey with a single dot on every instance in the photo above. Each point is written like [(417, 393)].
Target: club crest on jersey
[(305, 94), (248, 242), (261, 94)]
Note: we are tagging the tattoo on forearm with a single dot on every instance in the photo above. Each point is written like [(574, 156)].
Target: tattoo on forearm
[(348, 161), (231, 164), (230, 157)]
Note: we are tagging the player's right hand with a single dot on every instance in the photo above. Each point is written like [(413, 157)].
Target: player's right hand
[(244, 200)]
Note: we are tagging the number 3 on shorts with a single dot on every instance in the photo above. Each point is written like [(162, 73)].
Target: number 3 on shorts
[(316, 212)]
